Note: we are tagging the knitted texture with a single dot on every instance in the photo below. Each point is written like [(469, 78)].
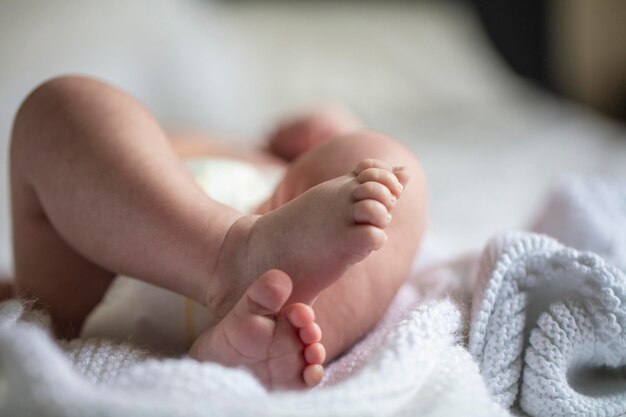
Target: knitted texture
[(549, 328), (101, 360), (419, 369)]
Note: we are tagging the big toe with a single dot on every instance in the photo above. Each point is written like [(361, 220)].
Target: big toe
[(247, 330), (268, 294)]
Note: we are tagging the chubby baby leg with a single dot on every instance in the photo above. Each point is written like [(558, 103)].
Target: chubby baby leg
[(97, 190), (316, 238), (332, 238), (354, 303)]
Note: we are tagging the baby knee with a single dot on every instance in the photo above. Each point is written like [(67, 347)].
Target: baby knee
[(46, 98), (55, 95), (48, 104)]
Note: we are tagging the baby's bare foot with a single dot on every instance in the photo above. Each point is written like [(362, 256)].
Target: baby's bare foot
[(301, 133), (278, 343), (314, 238)]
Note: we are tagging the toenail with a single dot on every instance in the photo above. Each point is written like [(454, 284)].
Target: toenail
[(293, 316), (388, 217), (393, 199)]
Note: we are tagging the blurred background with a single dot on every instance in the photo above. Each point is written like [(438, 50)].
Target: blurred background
[(498, 99)]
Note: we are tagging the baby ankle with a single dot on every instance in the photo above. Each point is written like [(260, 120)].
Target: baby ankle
[(222, 290)]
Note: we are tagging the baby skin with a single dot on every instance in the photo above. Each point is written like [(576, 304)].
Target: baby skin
[(344, 221), (328, 250)]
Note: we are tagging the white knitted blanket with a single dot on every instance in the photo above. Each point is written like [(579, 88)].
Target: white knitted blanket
[(418, 370), (549, 322), (549, 328), (548, 334)]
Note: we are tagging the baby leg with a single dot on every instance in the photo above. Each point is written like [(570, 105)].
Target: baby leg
[(328, 223), (352, 305), (316, 238), (97, 190)]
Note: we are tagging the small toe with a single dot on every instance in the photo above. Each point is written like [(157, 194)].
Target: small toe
[(300, 315), (375, 191), (367, 237), (268, 294), (383, 176), (402, 174), (311, 333), (315, 354), (313, 375), (371, 212)]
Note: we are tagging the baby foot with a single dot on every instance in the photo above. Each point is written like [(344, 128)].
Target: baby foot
[(314, 238), (301, 133), (278, 343)]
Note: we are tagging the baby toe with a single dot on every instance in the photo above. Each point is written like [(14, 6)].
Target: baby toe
[(315, 354), (371, 212), (375, 191), (370, 163), (383, 176), (300, 315), (313, 375), (268, 294), (365, 238), (310, 334)]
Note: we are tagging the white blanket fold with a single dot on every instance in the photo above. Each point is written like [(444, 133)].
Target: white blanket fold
[(548, 325)]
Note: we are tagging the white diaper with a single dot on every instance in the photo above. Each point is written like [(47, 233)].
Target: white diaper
[(159, 319)]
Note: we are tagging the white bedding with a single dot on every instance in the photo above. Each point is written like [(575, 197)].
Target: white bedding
[(418, 369), (547, 334)]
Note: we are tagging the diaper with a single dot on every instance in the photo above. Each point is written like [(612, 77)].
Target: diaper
[(161, 320)]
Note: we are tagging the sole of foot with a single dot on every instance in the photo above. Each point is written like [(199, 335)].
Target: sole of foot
[(278, 342), (313, 238)]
